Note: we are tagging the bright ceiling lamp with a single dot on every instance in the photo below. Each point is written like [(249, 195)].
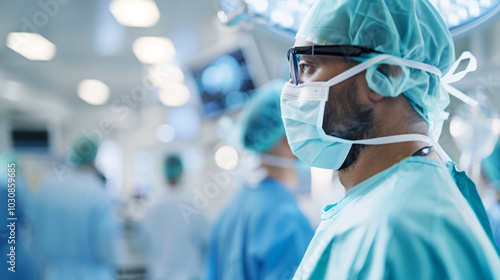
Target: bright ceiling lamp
[(136, 13), (174, 95), (163, 75), (153, 50), (33, 46), (93, 92), (226, 157)]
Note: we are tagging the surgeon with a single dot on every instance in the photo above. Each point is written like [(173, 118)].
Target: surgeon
[(175, 247), (261, 234), (491, 168), (74, 222), (367, 98)]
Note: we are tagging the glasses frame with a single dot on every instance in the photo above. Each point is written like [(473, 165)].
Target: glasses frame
[(328, 50)]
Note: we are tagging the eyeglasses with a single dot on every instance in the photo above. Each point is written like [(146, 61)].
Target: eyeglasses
[(332, 50)]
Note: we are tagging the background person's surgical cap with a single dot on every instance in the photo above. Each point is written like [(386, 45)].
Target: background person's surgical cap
[(83, 151), (261, 126), (410, 29), (491, 167), (172, 168)]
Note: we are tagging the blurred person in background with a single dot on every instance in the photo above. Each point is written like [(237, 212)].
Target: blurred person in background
[(491, 168), (175, 247), (25, 265), (261, 234), (74, 224)]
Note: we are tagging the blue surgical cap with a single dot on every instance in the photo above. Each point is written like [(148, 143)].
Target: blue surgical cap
[(260, 121), (83, 151), (491, 167), (172, 168), (410, 29)]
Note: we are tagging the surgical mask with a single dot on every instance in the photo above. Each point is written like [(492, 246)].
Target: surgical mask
[(302, 170), (302, 109)]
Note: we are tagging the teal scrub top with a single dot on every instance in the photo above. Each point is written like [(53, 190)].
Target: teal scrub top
[(494, 216), (261, 234), (410, 221)]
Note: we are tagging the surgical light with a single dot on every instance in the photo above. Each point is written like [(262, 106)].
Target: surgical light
[(136, 13), (93, 92), (153, 50), (285, 16), (33, 46)]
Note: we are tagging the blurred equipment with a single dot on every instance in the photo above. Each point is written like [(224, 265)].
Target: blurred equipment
[(33, 139), (227, 78)]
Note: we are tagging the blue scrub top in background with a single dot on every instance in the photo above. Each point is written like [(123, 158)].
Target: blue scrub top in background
[(26, 265), (260, 235), (410, 221), (74, 226)]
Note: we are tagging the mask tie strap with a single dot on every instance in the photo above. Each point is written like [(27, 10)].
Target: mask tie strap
[(277, 161), (453, 77), (434, 132)]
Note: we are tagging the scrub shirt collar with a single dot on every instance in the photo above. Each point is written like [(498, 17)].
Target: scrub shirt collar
[(331, 210)]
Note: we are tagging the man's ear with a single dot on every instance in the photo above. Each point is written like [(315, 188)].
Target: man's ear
[(392, 72), (374, 97)]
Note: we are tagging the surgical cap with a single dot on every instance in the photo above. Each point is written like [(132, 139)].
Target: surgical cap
[(172, 168), (410, 29), (260, 121), (491, 167), (83, 151)]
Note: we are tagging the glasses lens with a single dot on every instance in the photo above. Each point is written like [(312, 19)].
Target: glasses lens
[(294, 73)]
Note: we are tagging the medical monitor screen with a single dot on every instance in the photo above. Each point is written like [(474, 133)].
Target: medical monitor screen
[(30, 139), (225, 83)]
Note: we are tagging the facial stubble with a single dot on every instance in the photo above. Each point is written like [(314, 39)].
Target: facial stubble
[(345, 118)]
